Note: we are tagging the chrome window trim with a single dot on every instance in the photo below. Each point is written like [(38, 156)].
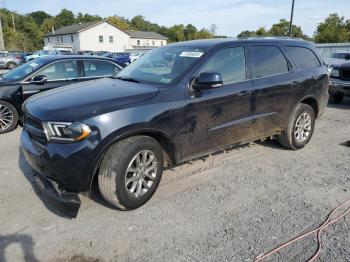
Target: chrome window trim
[(27, 79)]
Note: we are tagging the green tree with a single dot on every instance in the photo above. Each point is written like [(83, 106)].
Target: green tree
[(204, 34), (119, 22), (84, 18), (332, 30), (190, 32), (39, 17), (64, 18), (246, 33), (48, 24), (176, 33), (282, 29)]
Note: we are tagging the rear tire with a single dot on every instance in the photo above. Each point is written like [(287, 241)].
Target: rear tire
[(335, 98), (11, 65), (8, 117), (299, 129), (130, 172)]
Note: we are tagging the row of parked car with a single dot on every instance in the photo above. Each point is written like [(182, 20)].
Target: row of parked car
[(12, 59)]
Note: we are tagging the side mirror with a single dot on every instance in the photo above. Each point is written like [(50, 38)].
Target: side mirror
[(39, 79), (207, 80)]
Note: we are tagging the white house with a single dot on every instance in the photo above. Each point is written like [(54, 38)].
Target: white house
[(101, 36)]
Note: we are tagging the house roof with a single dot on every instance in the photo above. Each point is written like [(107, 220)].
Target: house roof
[(73, 29), (145, 34)]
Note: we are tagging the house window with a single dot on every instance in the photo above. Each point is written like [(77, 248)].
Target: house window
[(153, 43), (111, 39), (100, 38), (138, 42), (58, 39), (62, 39), (161, 42), (48, 39), (72, 38)]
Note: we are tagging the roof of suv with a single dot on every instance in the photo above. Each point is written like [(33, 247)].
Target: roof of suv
[(207, 43)]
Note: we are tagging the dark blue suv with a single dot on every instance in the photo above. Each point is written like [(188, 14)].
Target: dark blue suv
[(123, 58), (175, 103)]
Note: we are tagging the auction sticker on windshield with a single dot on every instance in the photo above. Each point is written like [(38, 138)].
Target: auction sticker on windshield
[(193, 54)]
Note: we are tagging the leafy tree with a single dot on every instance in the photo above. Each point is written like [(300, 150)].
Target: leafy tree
[(64, 18), (332, 30), (84, 18), (118, 21), (47, 25), (39, 17), (246, 33), (176, 33), (282, 29), (213, 29), (204, 34), (190, 32)]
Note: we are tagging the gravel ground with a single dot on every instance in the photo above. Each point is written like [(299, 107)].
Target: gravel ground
[(231, 206)]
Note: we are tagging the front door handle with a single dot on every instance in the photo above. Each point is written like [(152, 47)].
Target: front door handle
[(245, 93)]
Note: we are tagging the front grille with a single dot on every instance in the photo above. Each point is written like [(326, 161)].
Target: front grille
[(345, 74), (35, 129)]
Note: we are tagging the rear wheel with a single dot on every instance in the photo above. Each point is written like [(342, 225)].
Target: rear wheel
[(130, 172), (300, 128), (335, 98), (11, 65), (8, 117)]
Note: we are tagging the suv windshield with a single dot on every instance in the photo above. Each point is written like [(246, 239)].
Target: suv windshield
[(161, 66), (23, 70)]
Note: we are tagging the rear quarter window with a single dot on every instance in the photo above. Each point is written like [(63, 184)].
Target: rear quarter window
[(303, 57)]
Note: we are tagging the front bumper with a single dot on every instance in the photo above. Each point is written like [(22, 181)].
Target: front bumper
[(63, 171), (64, 202), (339, 86)]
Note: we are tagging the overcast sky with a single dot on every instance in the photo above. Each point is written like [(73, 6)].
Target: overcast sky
[(231, 16)]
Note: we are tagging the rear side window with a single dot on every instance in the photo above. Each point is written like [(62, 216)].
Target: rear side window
[(268, 61), (303, 57), (230, 63), (99, 68)]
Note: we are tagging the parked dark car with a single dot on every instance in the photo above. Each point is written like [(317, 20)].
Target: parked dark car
[(124, 58), (45, 73), (10, 61), (207, 95), (339, 83)]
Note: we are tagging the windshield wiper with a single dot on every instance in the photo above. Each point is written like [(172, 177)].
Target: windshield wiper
[(128, 79)]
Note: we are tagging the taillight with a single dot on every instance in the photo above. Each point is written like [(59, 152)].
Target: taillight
[(18, 57)]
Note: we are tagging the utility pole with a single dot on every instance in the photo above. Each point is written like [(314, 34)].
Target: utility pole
[(2, 45), (13, 22), (291, 19)]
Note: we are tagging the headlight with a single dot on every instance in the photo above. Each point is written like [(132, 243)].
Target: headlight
[(335, 73), (66, 132)]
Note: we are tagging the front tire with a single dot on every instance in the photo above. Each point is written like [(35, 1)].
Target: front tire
[(8, 117), (300, 128), (130, 172)]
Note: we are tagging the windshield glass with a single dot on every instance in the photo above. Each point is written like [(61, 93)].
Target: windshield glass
[(162, 65), (23, 70)]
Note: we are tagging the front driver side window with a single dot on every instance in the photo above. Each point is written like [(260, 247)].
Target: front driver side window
[(60, 70), (230, 63)]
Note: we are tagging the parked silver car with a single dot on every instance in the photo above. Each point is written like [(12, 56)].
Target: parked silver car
[(10, 61)]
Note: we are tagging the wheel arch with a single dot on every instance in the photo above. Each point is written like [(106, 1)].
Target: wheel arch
[(311, 101), (169, 148)]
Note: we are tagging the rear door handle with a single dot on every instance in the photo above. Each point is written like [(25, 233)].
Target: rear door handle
[(245, 93)]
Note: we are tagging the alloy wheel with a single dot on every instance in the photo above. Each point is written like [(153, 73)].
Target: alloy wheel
[(303, 127), (141, 173), (6, 117)]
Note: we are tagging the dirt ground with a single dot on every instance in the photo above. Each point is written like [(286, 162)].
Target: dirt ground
[(229, 207)]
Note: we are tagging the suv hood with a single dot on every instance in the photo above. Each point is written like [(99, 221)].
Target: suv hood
[(83, 100)]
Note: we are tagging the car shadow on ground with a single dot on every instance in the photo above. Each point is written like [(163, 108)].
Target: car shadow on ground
[(26, 242), (29, 174)]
